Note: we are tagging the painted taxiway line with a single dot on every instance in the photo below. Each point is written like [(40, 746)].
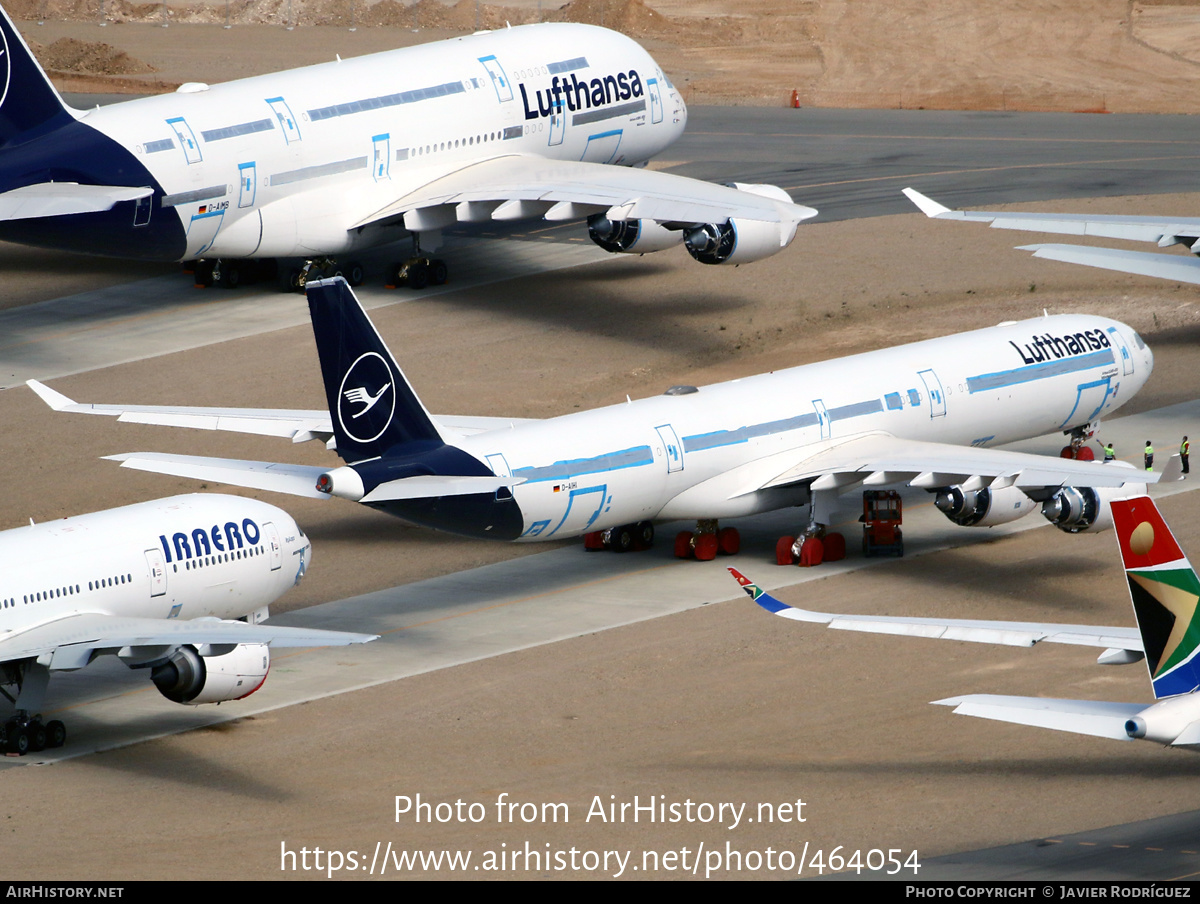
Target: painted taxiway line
[(510, 606)]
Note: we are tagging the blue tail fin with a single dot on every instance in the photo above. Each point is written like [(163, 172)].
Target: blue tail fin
[(29, 105), (371, 404)]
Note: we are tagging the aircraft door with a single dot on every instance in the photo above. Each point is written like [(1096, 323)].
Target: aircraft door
[(672, 447), (1090, 400), (274, 547), (822, 418), (142, 210), (187, 139), (1122, 350), (158, 572), (656, 104), (248, 184), (202, 231), (381, 164), (287, 122), (558, 123), (933, 388), (498, 78)]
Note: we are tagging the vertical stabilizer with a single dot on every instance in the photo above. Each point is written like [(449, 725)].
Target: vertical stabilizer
[(28, 102), (371, 404), (1165, 591)]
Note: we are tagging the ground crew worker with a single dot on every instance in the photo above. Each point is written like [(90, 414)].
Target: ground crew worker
[(1148, 455), (1184, 448), (1109, 453)]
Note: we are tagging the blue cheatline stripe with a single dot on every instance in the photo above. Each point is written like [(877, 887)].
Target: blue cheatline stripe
[(984, 382), (610, 461)]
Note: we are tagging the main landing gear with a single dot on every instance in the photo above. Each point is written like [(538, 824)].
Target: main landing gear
[(24, 731), (418, 271), (813, 547), (626, 538), (322, 268), (708, 539), (229, 274), (1078, 448)]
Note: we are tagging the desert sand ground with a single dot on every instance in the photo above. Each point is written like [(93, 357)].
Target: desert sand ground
[(719, 704)]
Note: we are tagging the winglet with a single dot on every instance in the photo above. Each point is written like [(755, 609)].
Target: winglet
[(757, 594), (928, 206), (56, 400), (1165, 591)]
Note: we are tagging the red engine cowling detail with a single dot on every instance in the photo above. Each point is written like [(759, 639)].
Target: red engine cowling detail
[(192, 678)]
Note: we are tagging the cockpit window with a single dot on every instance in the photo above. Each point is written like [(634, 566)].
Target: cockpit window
[(1138, 339)]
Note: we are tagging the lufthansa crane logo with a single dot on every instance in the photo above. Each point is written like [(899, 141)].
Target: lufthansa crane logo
[(5, 67), (367, 398)]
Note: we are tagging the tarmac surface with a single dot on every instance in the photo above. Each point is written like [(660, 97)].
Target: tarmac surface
[(556, 674)]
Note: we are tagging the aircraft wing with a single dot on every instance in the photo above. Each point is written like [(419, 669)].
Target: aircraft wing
[(55, 199), (576, 189), (1013, 634), (296, 480), (297, 425), (1090, 717), (1163, 230), (71, 642), (1144, 263), (880, 458)]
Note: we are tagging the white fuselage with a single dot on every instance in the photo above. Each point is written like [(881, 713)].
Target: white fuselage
[(696, 455), (277, 165), (183, 557)]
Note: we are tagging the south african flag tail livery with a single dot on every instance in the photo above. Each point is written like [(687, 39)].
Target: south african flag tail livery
[(1165, 592)]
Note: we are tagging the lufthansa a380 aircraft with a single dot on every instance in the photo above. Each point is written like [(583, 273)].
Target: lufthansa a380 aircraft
[(1164, 589), (1164, 231), (922, 414), (327, 160), (177, 587)]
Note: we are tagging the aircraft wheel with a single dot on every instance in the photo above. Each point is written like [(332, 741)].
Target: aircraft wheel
[(643, 535), (438, 273), (783, 551), (622, 539), (231, 276), (354, 274), (729, 541), (812, 552), (37, 736), (418, 276), (1085, 453), (56, 733), (835, 547), (204, 274), (296, 280), (18, 741), (706, 547), (683, 544), (593, 540)]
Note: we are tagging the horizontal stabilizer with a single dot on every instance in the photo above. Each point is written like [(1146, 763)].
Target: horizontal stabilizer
[(56, 199), (71, 640), (435, 485), (297, 480), (1142, 263), (1089, 717)]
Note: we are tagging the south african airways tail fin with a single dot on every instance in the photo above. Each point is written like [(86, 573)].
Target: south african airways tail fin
[(1164, 589), (373, 408), (29, 105)]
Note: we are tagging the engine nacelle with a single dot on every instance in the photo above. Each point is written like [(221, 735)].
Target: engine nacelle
[(193, 677), (984, 507), (343, 482), (740, 241), (1076, 509), (631, 236), (1166, 720)]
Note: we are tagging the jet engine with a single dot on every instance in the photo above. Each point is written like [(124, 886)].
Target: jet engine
[(984, 507), (1166, 720), (739, 241), (631, 236), (1076, 509), (212, 675)]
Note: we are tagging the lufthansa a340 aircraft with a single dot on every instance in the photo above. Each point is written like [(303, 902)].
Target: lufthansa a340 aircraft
[(325, 161), (1165, 231), (177, 587), (1164, 589), (922, 414)]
